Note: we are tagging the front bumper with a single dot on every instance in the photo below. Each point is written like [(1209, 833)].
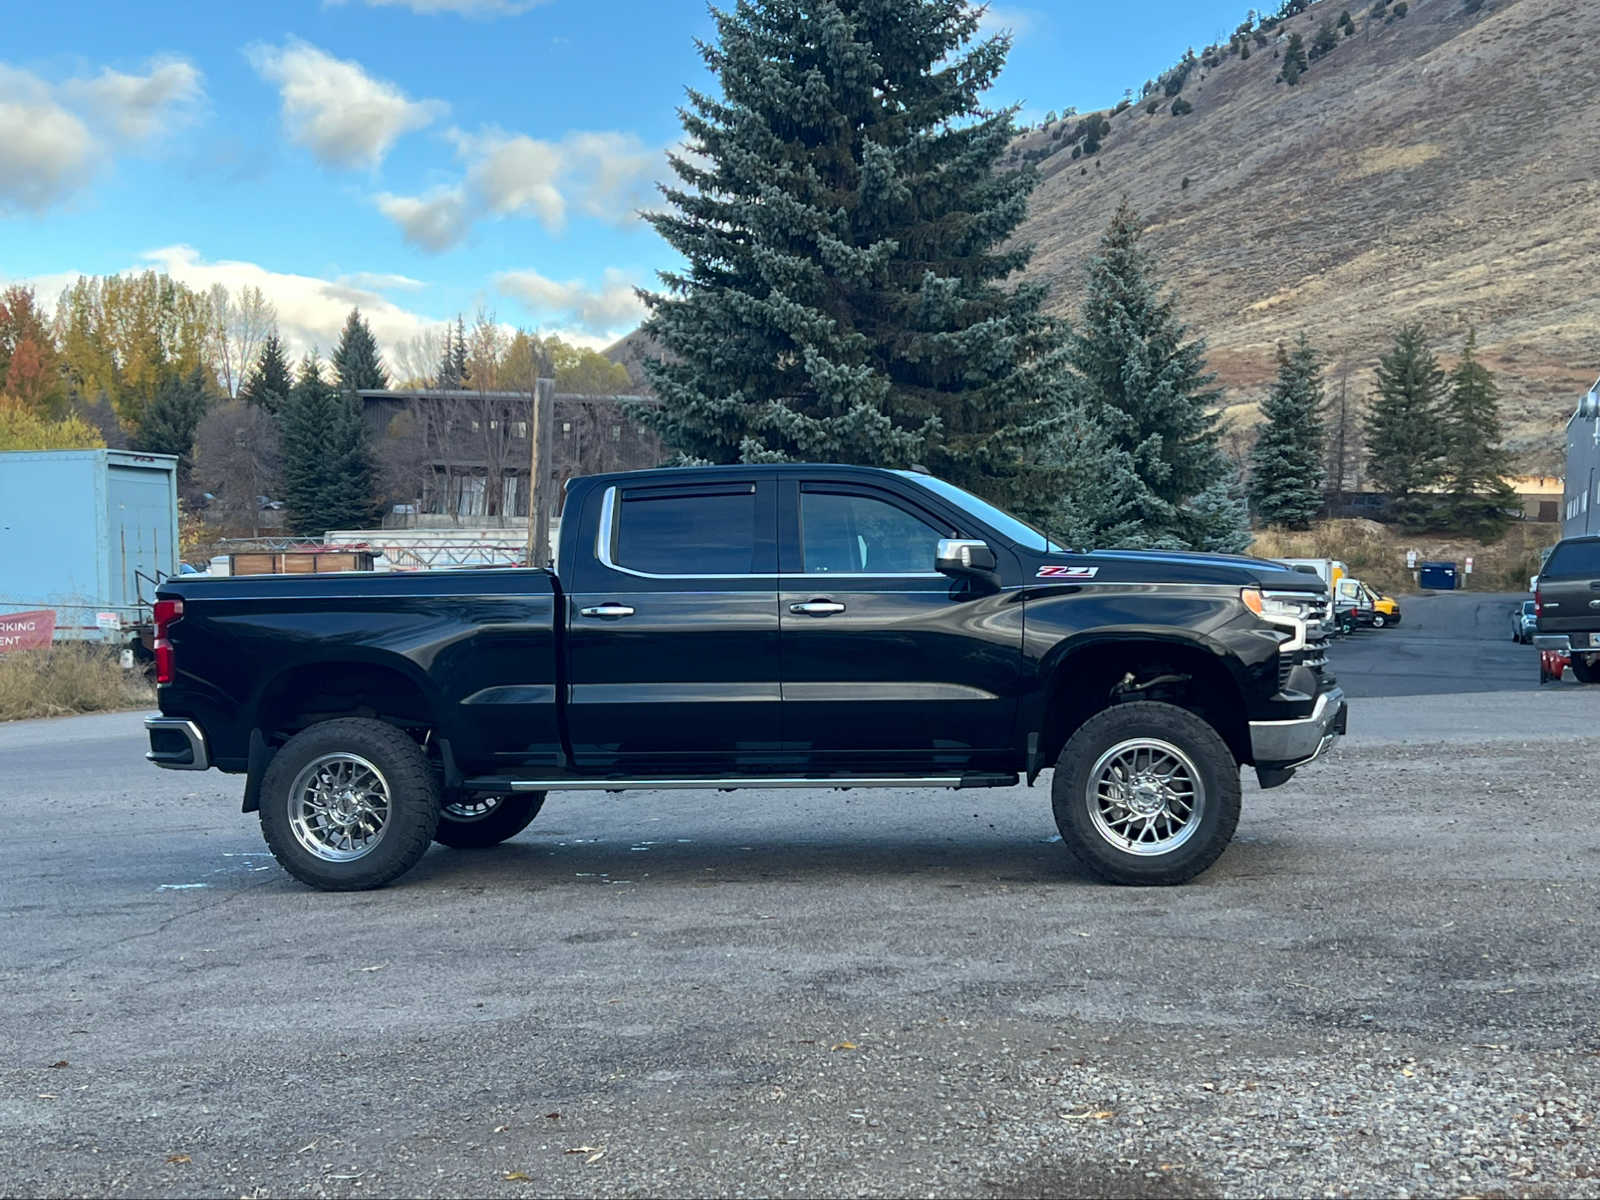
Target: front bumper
[(1282, 745), (177, 744)]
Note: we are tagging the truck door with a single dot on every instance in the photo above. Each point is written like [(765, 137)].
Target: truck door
[(672, 628), (887, 663)]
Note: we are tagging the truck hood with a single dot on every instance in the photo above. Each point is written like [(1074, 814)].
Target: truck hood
[(1175, 566)]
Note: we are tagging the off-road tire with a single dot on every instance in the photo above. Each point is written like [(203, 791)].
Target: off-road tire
[(1586, 668), (510, 815), (1073, 794), (413, 803)]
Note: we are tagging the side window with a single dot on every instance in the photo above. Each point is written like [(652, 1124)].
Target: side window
[(858, 534), (688, 532)]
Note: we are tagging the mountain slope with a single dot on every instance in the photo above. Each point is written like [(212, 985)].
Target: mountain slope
[(1444, 167)]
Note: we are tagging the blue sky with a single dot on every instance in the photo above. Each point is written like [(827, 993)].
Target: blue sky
[(419, 157)]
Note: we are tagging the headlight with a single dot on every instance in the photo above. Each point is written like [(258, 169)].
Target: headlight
[(1294, 605)]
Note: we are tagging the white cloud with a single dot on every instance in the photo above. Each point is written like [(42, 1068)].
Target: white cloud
[(516, 174), (1019, 22), (434, 221), (605, 174), (138, 107), (311, 310), (608, 310), (344, 116), (379, 281), (465, 8), (47, 149), (46, 153)]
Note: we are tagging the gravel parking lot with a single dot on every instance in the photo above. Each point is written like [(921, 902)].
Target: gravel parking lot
[(1387, 985)]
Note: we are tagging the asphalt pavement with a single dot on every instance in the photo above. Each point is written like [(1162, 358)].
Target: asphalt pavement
[(1386, 985)]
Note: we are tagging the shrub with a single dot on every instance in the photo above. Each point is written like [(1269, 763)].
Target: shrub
[(1181, 107), (1290, 73), (1471, 6), (1152, 106), (1326, 41), (72, 677), (1400, 9), (1122, 106), (1184, 186)]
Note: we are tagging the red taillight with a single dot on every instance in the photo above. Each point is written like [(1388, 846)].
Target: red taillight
[(166, 612), (1538, 603)]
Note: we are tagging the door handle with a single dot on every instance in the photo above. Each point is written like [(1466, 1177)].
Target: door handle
[(607, 612), (817, 608)]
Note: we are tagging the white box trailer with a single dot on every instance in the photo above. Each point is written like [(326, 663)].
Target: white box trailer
[(85, 535)]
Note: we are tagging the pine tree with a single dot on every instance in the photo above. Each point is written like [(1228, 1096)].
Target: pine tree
[(329, 477), (454, 373), (1286, 469), (356, 361), (269, 382), (1148, 386), (848, 292), (168, 423), (1405, 428), (1477, 497), (1326, 41), (1220, 517), (1093, 490), (1294, 59)]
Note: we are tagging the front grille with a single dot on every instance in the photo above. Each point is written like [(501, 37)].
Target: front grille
[(1314, 656)]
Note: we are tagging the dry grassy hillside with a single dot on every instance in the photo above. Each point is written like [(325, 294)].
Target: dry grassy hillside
[(1444, 167)]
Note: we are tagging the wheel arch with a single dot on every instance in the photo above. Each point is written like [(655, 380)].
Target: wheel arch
[(1084, 677)]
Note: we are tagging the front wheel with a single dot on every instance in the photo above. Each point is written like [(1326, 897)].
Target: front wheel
[(1379, 620), (349, 804), (475, 822), (1146, 793)]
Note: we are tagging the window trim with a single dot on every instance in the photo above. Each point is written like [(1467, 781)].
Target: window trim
[(865, 492), (606, 536)]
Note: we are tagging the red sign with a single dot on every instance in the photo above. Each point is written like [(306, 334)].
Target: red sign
[(27, 630)]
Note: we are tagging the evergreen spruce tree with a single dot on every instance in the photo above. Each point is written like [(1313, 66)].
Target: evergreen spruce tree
[(1477, 498), (1405, 426), (329, 476), (356, 361), (1150, 390), (849, 291), (1093, 487), (269, 382), (168, 423), (1219, 517), (1286, 467), (453, 371)]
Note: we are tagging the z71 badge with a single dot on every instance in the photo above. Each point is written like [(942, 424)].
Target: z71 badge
[(1068, 572)]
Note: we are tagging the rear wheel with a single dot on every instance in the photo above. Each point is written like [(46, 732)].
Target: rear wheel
[(1586, 668), (1146, 793), (486, 820), (349, 804)]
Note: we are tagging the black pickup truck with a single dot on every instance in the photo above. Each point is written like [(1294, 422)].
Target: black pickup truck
[(1566, 601), (768, 626)]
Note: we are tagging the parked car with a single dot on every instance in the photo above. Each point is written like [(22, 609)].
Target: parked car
[(769, 626), (1568, 605), (1524, 622), (1384, 609)]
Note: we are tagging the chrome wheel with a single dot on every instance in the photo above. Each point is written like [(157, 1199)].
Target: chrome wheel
[(1146, 796), (474, 809), (339, 807)]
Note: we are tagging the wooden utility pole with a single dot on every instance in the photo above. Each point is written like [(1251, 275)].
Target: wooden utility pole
[(540, 436)]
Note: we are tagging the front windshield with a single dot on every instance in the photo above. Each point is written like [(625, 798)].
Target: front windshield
[(1018, 531)]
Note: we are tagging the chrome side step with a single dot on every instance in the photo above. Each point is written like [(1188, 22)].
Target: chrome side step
[(730, 783)]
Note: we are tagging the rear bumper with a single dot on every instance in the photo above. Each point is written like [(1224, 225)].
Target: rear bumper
[(177, 744), (1281, 745)]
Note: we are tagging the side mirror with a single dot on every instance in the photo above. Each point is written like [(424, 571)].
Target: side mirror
[(963, 558)]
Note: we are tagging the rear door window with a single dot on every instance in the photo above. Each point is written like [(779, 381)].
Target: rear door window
[(1573, 560), (708, 531)]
